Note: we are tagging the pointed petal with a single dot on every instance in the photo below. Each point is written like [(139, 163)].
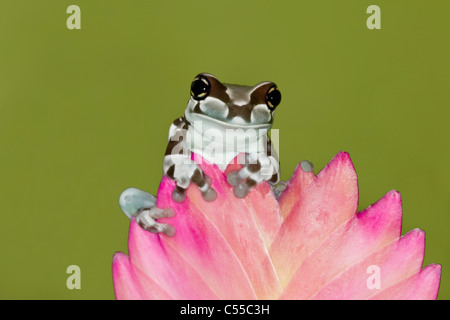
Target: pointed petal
[(263, 205), (349, 243), (236, 223), (265, 211), (329, 201), (420, 286), (202, 245), (165, 266), (126, 284), (132, 284), (396, 261), (299, 181)]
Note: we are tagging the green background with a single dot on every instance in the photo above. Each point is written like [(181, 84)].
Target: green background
[(85, 114)]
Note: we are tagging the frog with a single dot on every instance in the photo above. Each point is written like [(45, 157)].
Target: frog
[(223, 109)]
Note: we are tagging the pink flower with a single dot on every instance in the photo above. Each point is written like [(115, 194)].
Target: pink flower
[(309, 244)]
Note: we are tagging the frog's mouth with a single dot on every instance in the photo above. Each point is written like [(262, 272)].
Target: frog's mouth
[(192, 117)]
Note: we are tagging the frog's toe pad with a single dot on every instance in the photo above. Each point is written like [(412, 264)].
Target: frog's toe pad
[(178, 195), (233, 178), (307, 166), (167, 229), (210, 195), (241, 190), (162, 213), (278, 189)]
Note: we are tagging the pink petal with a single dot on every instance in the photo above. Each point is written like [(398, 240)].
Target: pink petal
[(203, 246), (396, 261), (264, 208), (132, 284), (349, 243), (236, 223), (299, 181), (321, 250), (167, 267), (126, 284), (329, 201), (421, 286)]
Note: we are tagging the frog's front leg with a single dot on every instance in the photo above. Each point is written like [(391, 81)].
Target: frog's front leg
[(142, 206), (258, 167), (179, 166)]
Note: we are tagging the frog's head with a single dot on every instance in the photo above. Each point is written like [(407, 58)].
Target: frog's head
[(230, 105)]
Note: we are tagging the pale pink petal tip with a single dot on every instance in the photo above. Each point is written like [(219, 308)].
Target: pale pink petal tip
[(126, 284), (330, 200), (423, 285)]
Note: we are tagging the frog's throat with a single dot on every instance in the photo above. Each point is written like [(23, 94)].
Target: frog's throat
[(220, 142), (208, 123)]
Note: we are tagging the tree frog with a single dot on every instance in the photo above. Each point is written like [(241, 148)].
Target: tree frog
[(221, 122)]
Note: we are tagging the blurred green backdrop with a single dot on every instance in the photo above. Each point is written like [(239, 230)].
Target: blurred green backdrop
[(85, 114)]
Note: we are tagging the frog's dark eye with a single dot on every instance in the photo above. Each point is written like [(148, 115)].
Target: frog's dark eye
[(200, 88), (273, 98)]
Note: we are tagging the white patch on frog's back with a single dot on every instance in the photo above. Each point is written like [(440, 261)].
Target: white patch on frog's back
[(260, 114), (240, 95), (214, 108)]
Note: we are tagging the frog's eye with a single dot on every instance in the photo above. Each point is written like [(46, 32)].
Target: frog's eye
[(273, 98), (200, 88)]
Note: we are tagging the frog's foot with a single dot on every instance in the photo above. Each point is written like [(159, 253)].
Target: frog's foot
[(279, 188), (245, 179), (146, 217), (204, 184), (142, 205)]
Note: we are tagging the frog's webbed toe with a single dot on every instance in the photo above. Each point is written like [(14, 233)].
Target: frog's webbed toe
[(204, 184), (147, 220)]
